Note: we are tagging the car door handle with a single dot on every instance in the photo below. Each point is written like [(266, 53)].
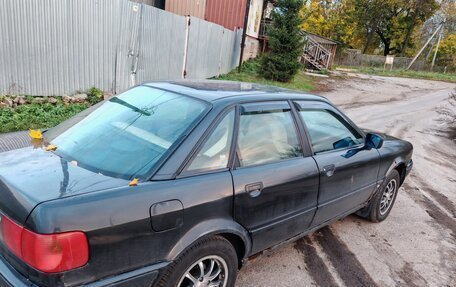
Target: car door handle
[(329, 170), (254, 189)]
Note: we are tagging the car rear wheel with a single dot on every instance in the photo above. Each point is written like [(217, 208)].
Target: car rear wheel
[(381, 204), (211, 262)]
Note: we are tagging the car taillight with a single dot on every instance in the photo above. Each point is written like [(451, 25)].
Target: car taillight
[(46, 252)]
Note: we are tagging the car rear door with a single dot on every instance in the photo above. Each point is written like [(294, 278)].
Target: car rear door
[(275, 183), (348, 172)]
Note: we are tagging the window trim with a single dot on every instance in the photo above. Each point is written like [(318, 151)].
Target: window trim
[(303, 135), (262, 103), (312, 105), (183, 170)]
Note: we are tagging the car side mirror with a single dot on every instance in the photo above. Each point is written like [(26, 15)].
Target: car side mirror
[(373, 141)]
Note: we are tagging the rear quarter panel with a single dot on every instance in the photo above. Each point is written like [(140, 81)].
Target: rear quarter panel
[(118, 225)]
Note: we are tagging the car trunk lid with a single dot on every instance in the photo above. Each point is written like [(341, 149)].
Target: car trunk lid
[(30, 176)]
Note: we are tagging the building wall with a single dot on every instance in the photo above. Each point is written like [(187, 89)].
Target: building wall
[(255, 13), (252, 48), (228, 13), (196, 8)]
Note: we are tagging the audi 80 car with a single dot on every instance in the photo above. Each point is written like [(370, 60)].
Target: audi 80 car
[(179, 183)]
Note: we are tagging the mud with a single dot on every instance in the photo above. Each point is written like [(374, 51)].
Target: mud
[(315, 265), (345, 262)]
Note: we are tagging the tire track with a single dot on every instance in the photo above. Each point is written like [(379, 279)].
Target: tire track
[(344, 261), (410, 277), (407, 274), (315, 265), (433, 210), (437, 196), (451, 157)]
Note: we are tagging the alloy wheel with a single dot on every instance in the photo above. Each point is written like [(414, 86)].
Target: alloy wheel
[(388, 196), (210, 271)]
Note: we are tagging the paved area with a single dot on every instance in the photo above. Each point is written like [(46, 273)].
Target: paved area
[(10, 141), (416, 245)]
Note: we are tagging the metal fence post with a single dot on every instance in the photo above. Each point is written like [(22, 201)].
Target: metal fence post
[(184, 64)]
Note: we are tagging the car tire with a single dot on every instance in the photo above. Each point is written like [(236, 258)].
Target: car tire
[(215, 255), (381, 204)]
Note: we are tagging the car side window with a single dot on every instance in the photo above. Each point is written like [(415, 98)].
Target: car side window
[(267, 136), (215, 152), (328, 131)]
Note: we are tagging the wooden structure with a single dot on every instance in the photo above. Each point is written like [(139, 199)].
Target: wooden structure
[(319, 51)]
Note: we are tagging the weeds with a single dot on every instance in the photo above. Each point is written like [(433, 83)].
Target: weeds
[(36, 116), (43, 114), (94, 95)]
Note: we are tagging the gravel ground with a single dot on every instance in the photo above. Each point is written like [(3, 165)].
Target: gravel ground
[(416, 245)]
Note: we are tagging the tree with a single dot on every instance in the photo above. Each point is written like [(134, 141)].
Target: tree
[(330, 18), (446, 55), (417, 12), (285, 42), (318, 17), (370, 25), (365, 19)]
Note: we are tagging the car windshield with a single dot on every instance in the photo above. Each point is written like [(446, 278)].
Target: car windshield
[(127, 135)]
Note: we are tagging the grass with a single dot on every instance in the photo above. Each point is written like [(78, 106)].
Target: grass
[(34, 116), (448, 77), (301, 82), (43, 115)]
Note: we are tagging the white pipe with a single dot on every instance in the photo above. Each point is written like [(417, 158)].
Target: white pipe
[(184, 64)]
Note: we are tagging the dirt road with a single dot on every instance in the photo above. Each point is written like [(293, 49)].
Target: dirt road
[(416, 245)]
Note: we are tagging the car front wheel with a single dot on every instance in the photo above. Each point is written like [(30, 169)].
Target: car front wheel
[(381, 204), (211, 262)]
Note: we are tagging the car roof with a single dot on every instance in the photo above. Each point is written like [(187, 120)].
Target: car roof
[(230, 91)]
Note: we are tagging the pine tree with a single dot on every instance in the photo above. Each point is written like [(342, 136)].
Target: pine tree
[(285, 42)]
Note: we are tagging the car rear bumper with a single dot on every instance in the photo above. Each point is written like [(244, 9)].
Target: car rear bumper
[(145, 276), (9, 277)]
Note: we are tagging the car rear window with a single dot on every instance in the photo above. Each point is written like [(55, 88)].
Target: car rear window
[(127, 136)]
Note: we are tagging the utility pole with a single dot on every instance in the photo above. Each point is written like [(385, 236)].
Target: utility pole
[(425, 45), (436, 50)]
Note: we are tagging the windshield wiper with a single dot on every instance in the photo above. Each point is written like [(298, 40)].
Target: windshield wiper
[(125, 104)]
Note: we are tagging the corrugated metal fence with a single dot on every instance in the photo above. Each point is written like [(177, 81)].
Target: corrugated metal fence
[(57, 47)]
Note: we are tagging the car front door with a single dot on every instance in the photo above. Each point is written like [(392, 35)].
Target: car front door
[(275, 184), (348, 171)]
